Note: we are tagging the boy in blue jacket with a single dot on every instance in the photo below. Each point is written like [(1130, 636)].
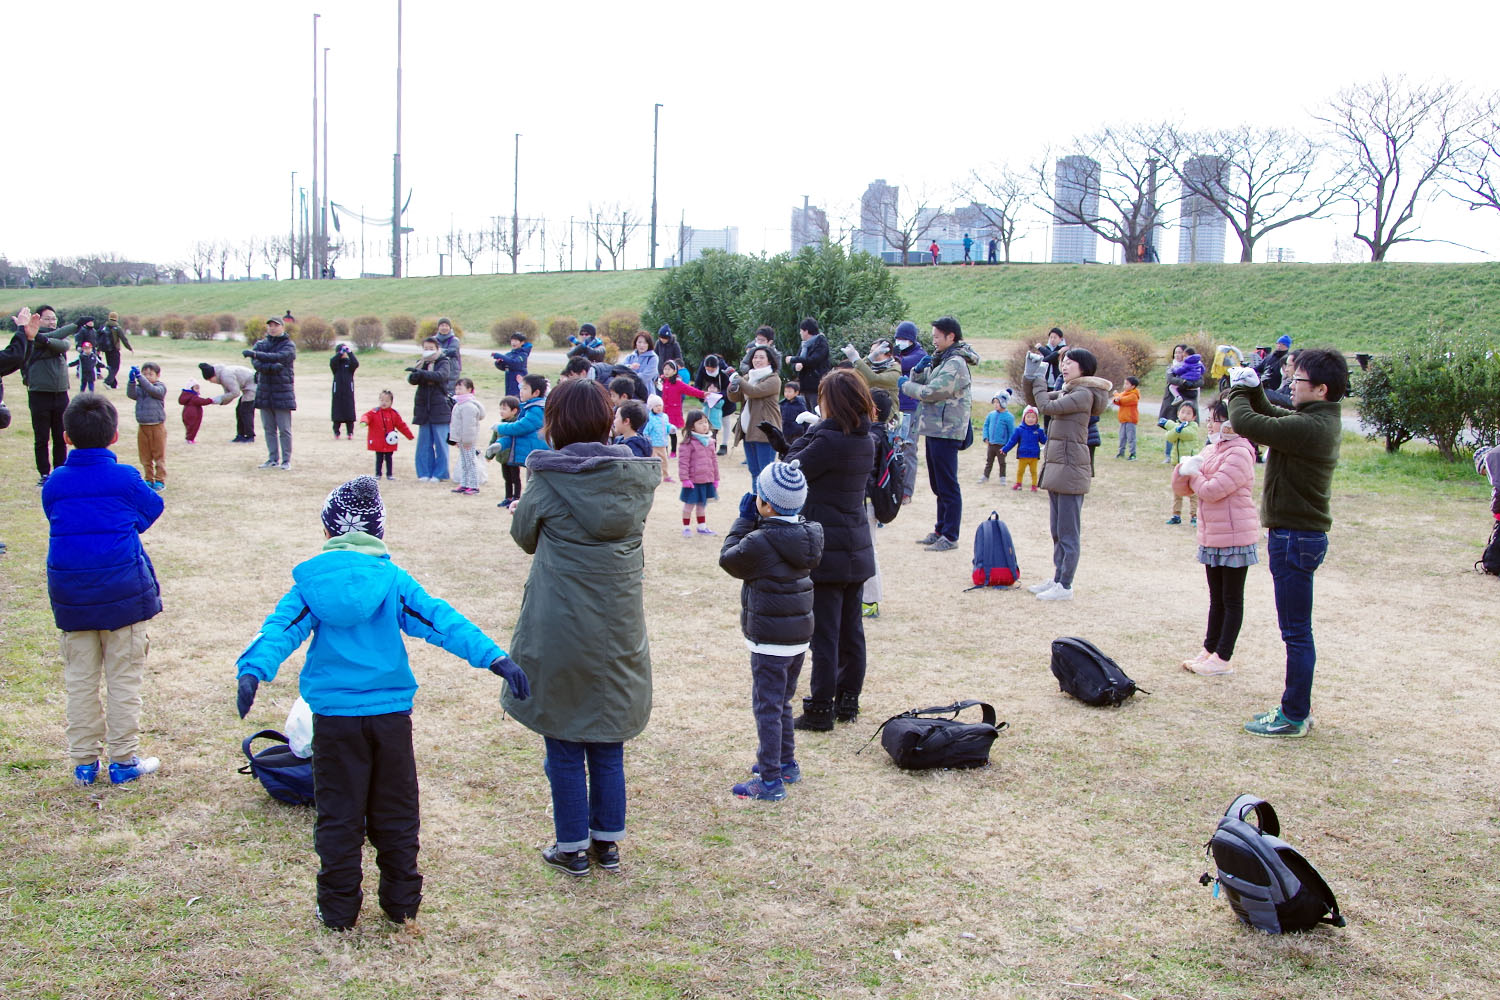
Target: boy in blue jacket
[(355, 604), (999, 425), (103, 590), (513, 362)]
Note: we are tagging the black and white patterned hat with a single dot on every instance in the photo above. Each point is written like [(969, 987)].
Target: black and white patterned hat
[(355, 506)]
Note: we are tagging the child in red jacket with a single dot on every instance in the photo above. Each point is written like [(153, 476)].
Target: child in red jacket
[(384, 422), (698, 468), (192, 410)]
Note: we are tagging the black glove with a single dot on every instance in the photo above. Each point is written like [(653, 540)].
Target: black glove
[(246, 354), (249, 684), (513, 675), (748, 508), (774, 435)]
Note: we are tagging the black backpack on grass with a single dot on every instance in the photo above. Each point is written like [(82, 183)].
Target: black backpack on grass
[(1489, 562), (287, 777), (1084, 672), (1268, 884), (917, 741)]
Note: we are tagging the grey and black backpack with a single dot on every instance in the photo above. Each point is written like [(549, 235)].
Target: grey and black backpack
[(1269, 885)]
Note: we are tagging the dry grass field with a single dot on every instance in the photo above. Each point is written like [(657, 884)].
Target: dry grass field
[(1067, 869)]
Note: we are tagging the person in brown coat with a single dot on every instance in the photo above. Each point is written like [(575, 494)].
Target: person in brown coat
[(1068, 469), (758, 393)]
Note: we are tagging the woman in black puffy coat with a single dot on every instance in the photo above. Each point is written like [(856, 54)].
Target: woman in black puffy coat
[(837, 455)]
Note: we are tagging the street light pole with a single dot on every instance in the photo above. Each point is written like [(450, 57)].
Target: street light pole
[(323, 210), (312, 253), (515, 207), (291, 234), (655, 136), (396, 180)]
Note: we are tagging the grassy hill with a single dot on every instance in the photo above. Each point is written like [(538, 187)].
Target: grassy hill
[(1350, 306)]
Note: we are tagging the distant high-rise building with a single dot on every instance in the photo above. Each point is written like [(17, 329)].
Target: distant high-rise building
[(1076, 195), (1201, 239), (877, 217), (809, 226), (695, 241)]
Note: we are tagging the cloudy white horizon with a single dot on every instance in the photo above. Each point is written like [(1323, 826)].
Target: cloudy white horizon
[(137, 130)]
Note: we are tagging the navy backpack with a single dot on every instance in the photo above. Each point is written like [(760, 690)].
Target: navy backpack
[(286, 776), (994, 555)]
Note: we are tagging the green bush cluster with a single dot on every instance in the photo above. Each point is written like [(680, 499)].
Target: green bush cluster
[(560, 328), (714, 304), (1443, 388), (203, 327)]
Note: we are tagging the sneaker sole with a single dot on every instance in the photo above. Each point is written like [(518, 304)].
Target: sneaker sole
[(564, 869), (1287, 735)]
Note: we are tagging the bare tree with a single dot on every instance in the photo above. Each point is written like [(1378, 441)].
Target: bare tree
[(1400, 138), (1128, 177), (222, 252), (138, 271), (201, 258), (1259, 179), (470, 245), (612, 226), (272, 251), (93, 268), (244, 253), (512, 236), (1475, 169), (998, 193)]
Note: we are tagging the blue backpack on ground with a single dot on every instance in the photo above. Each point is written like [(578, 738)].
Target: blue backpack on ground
[(995, 562), (287, 777)]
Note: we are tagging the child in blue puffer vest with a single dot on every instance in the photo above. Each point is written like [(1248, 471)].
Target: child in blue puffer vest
[(1027, 440), (355, 604)]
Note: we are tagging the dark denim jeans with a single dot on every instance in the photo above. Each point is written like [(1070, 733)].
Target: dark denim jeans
[(758, 455), (1294, 557), (773, 682), (588, 791), (942, 477)]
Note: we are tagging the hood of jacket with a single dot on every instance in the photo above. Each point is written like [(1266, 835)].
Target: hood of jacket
[(599, 483), (1101, 389), (799, 543), (348, 581)]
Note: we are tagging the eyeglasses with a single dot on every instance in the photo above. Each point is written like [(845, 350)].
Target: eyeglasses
[(1307, 380)]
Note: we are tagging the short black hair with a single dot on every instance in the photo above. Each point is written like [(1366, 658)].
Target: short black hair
[(1087, 363), (152, 366), (622, 386), (1132, 380), (44, 308), (90, 420), (1058, 331), (1190, 405), (1324, 367), (577, 366), (634, 413), (518, 335), (882, 404), (767, 332), (514, 402), (810, 325), (579, 411), (464, 381), (537, 384), (1219, 410), (792, 385), (948, 325)]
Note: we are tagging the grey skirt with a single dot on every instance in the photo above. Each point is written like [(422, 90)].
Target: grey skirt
[(1229, 557)]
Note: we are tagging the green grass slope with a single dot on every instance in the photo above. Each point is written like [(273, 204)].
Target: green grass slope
[(1350, 306)]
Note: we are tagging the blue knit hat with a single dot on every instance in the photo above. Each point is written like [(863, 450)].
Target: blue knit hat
[(783, 486), (355, 506), (1284, 341), (907, 331)]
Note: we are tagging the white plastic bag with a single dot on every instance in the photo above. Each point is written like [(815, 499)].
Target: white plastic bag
[(299, 729)]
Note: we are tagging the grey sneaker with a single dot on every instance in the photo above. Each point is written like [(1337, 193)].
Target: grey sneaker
[(932, 536), (286, 466), (269, 464), (942, 545)]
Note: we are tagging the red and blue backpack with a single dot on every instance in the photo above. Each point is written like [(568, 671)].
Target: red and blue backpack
[(995, 562)]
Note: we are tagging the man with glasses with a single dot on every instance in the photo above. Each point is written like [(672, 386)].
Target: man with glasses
[(1294, 510)]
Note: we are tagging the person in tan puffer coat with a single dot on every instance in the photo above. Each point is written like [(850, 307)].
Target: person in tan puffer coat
[(1067, 471)]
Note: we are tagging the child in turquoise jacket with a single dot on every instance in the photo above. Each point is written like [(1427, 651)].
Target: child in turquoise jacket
[(355, 603)]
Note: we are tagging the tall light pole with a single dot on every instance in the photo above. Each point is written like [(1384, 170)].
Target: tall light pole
[(323, 208), (291, 234), (655, 135), (312, 252), (396, 182), (515, 208)]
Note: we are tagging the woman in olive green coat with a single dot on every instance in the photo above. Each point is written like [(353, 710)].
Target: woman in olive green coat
[(582, 516)]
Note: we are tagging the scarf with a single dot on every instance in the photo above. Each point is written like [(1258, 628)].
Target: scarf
[(702, 438), (462, 397)]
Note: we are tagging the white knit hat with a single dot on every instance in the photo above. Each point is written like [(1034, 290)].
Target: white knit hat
[(783, 486)]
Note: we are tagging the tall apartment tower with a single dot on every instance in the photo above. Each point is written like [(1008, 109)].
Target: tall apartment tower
[(809, 225), (877, 217), (1201, 236), (1075, 194)]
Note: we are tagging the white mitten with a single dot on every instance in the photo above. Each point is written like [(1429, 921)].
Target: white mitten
[(850, 352), (808, 418), (1189, 466), (1243, 378)]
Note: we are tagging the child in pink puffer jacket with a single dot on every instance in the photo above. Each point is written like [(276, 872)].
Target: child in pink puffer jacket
[(698, 468), (1228, 527)]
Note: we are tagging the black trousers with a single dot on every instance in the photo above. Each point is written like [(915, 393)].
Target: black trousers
[(512, 477), (112, 357), (838, 642), (1226, 608), (344, 423), (46, 422), (365, 780), (386, 458), (244, 419)]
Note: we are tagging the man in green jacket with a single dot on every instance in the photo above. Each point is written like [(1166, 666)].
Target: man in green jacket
[(42, 352), (1295, 510)]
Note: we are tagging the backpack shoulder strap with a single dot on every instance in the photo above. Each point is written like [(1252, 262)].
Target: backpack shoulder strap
[(1265, 816), (266, 734)]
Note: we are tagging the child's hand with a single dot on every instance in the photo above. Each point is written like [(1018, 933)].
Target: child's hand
[(249, 684), (748, 508), (513, 675), (1181, 427), (687, 484), (1162, 423)]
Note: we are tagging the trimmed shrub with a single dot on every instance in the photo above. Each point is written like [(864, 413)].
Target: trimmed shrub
[(560, 328), (225, 322), (619, 327), (401, 327), (1139, 352), (314, 334), (502, 328), (429, 329), (131, 324), (1112, 362), (1438, 388), (66, 315), (254, 328), (611, 352), (1379, 406), (174, 326), (341, 329), (203, 327), (151, 326), (367, 332)]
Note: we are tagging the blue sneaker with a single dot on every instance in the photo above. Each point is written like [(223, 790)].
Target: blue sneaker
[(134, 768), (790, 773), (85, 774), (765, 791), (1276, 725)]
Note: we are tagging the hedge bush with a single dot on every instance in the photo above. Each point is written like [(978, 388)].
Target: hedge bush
[(341, 329), (314, 334), (560, 328), (1443, 388), (429, 329), (151, 326), (1113, 364), (225, 322), (1139, 352), (502, 328), (367, 331), (619, 327), (401, 327), (174, 326), (203, 327)]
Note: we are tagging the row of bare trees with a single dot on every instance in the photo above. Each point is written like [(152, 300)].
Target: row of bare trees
[(1379, 151)]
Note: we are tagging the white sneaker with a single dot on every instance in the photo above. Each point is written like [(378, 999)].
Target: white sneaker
[(1037, 588), (1057, 593), (983, 479), (269, 465)]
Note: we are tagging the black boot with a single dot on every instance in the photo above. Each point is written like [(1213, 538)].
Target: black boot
[(816, 716), (848, 707)]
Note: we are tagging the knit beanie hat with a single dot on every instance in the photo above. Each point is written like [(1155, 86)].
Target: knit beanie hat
[(1283, 341), (652, 401), (1003, 397), (355, 506), (665, 331), (206, 368), (782, 485), (587, 328), (907, 331), (1031, 411)]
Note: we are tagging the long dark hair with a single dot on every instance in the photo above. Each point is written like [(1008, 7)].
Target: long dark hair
[(844, 398)]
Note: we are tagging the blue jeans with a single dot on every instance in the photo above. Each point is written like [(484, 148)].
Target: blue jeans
[(1294, 557), (773, 682), (588, 791), (432, 451), (758, 455), (942, 476)]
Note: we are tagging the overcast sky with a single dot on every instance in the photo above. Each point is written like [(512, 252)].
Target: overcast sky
[(138, 128)]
